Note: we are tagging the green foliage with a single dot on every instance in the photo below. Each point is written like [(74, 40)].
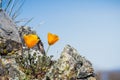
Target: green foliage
[(34, 66)]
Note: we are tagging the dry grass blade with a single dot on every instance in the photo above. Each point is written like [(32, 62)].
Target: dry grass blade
[(8, 4), (16, 13), (28, 21), (12, 7), (0, 3)]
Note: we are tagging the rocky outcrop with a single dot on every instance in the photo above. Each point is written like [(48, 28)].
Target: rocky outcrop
[(17, 62), (71, 66)]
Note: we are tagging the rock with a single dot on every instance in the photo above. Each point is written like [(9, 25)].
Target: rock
[(2, 70), (8, 28), (10, 41), (71, 66), (9, 46), (11, 69), (91, 78)]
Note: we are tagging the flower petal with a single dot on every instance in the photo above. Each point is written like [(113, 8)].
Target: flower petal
[(30, 40), (52, 38)]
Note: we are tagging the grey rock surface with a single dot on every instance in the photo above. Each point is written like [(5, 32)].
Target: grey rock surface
[(10, 41), (8, 28), (71, 66)]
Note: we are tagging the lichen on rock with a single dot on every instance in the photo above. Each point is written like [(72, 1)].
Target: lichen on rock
[(70, 66)]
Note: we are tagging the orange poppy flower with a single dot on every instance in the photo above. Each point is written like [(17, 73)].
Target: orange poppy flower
[(30, 40), (52, 38)]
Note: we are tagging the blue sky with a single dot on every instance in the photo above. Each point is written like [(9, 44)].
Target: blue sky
[(90, 26)]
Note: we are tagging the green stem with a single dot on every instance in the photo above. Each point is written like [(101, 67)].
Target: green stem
[(48, 49)]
